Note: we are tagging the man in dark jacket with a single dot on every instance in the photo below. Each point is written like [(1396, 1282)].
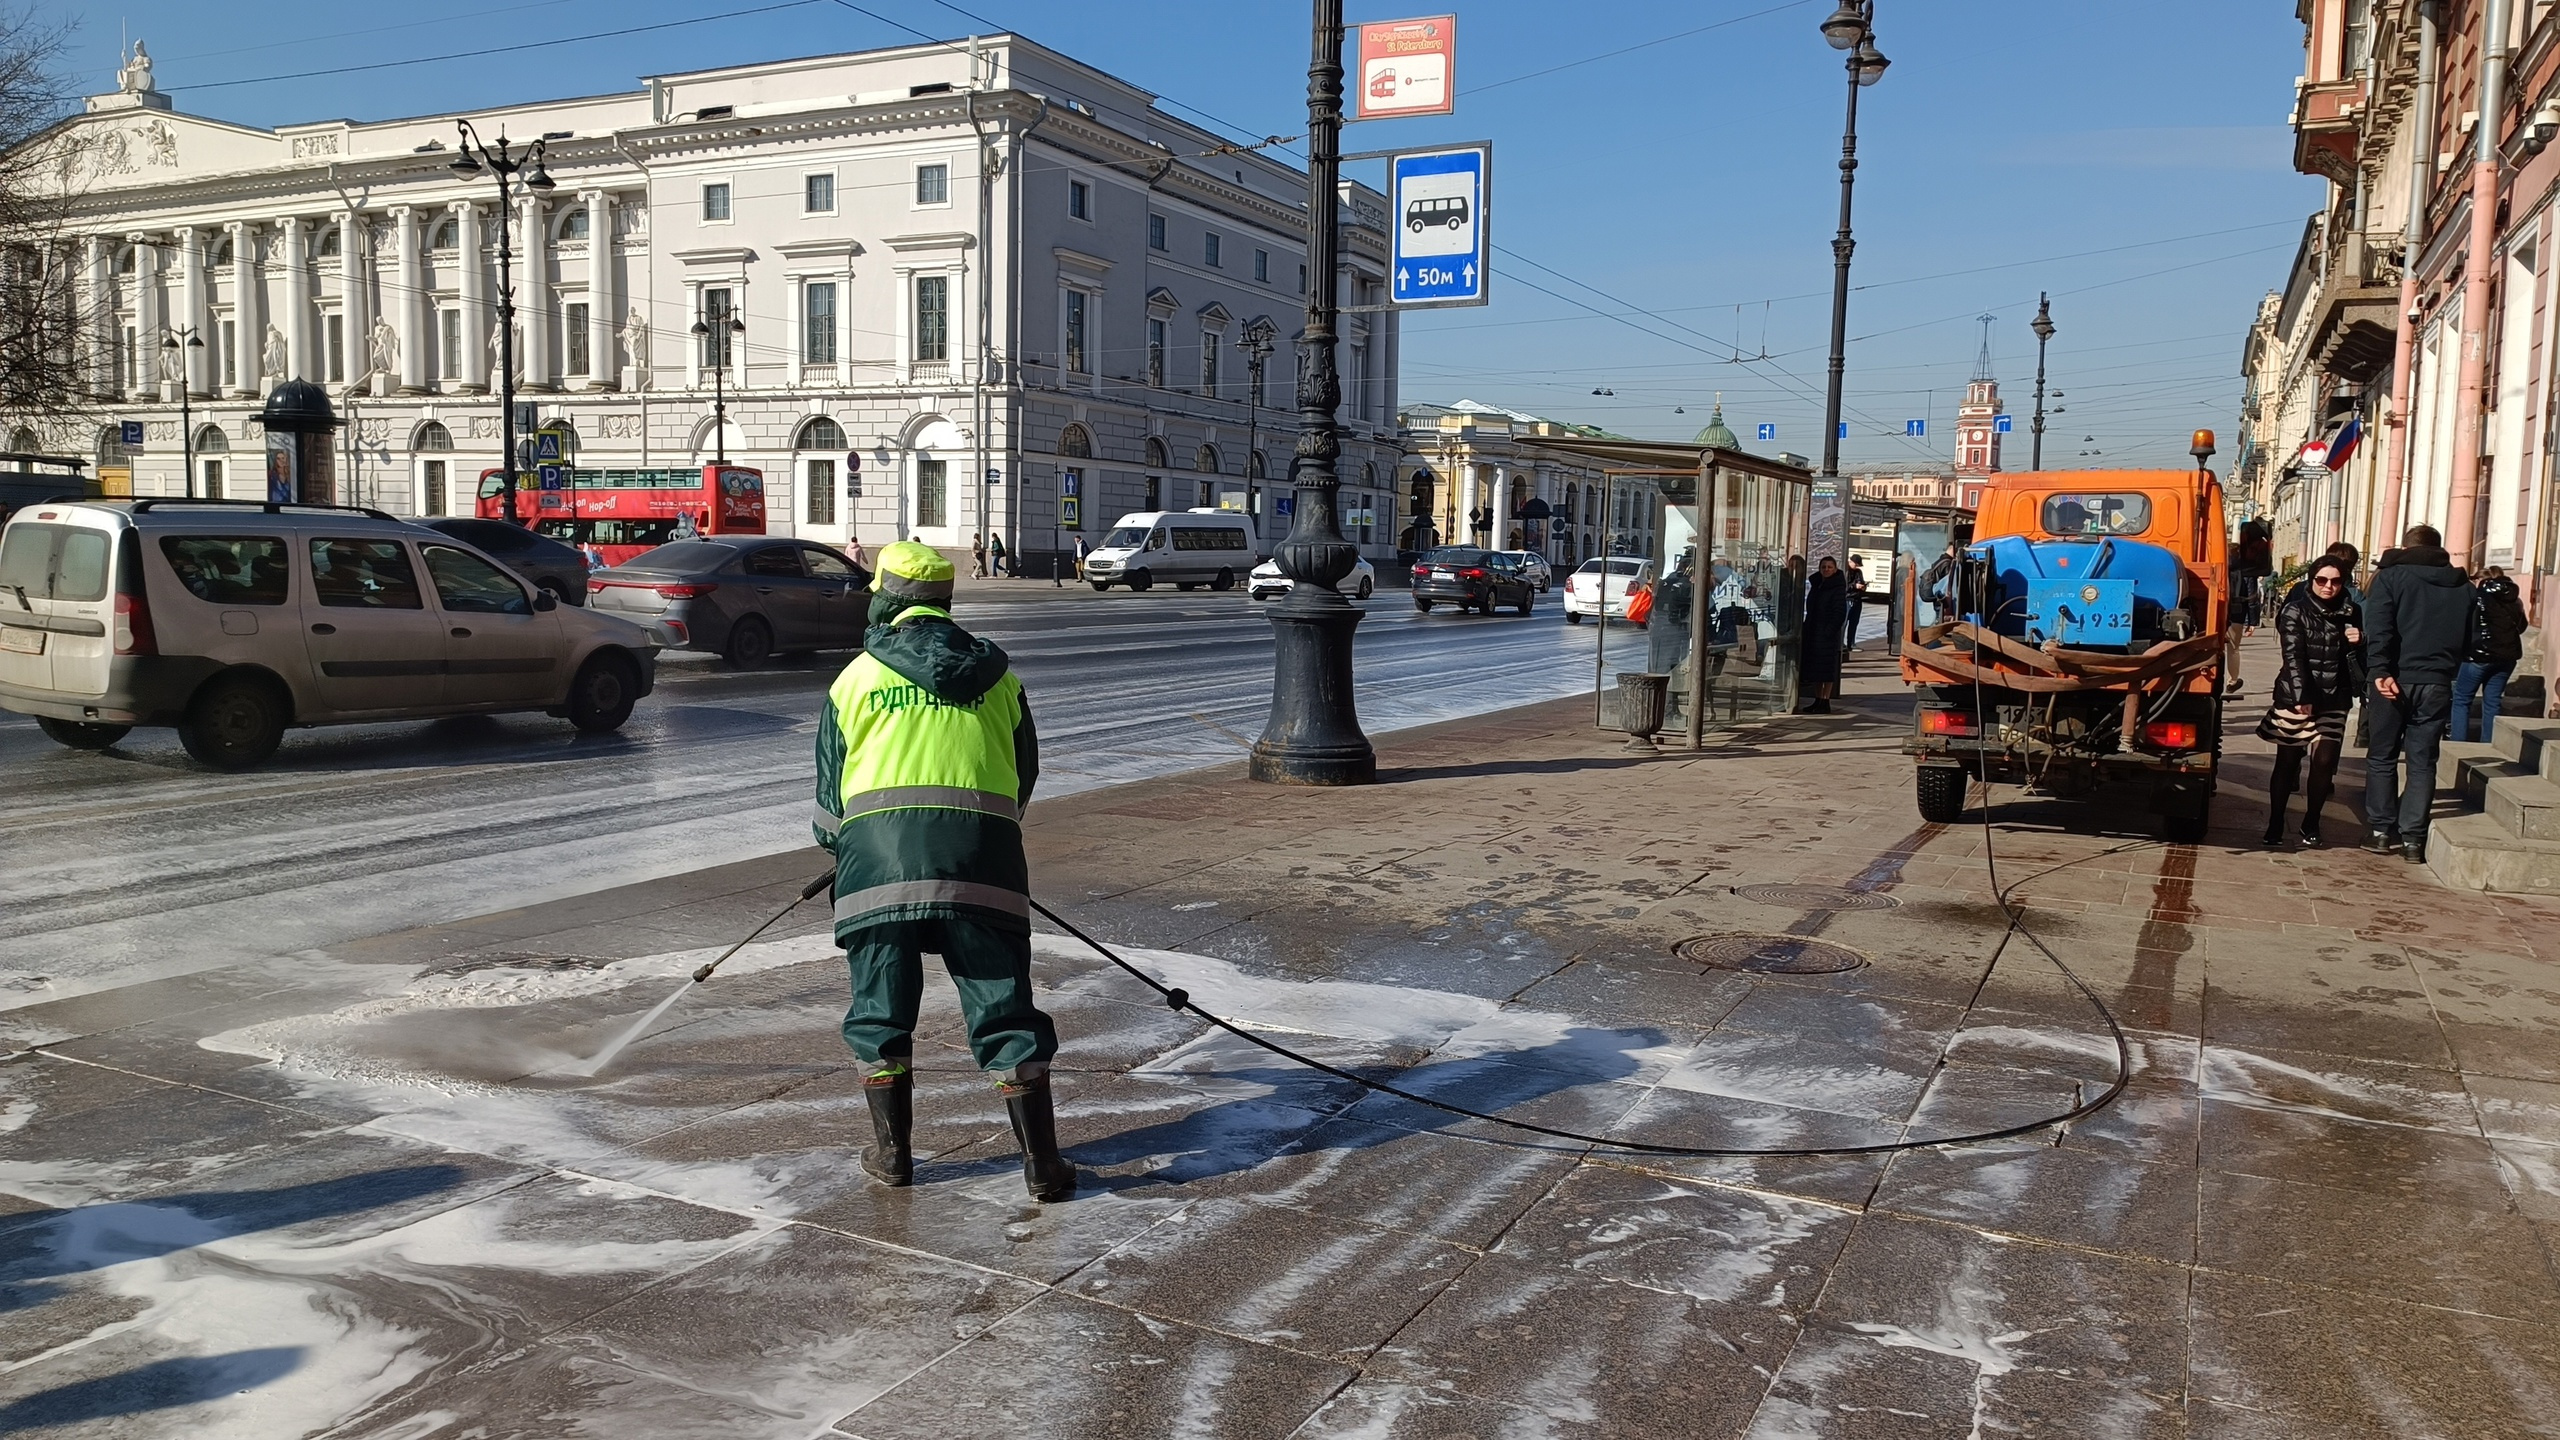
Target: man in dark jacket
[(2417, 623), (2497, 643)]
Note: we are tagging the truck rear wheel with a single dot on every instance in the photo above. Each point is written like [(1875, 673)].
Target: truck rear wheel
[(1940, 790)]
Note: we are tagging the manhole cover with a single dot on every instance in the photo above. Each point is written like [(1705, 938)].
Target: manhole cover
[(1769, 954), (1816, 897)]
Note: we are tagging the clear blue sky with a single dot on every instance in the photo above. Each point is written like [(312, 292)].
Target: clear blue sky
[(2131, 160)]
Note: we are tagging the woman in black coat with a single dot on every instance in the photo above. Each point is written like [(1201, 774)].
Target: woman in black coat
[(2306, 717), (1826, 615)]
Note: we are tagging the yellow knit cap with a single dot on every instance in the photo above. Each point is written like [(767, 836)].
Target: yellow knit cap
[(913, 571)]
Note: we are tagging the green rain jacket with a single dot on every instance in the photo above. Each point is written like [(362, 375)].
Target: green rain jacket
[(926, 757)]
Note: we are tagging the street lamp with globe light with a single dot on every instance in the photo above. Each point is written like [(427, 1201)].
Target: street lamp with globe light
[(2043, 326), (1850, 28), (176, 359), (716, 355), (473, 156)]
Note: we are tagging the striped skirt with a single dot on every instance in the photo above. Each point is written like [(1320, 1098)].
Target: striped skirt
[(2288, 727)]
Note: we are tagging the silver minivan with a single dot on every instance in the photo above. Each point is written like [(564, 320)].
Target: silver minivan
[(1187, 547), (232, 620)]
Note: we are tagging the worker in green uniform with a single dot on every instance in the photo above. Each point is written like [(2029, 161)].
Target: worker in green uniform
[(926, 757)]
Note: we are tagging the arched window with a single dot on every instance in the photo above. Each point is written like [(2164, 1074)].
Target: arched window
[(1253, 466), (125, 262), (573, 226), (820, 433), (1206, 460), (431, 436), (1076, 443), (211, 441), (23, 441), (329, 242), (447, 236), (1158, 458), (1369, 473), (221, 251)]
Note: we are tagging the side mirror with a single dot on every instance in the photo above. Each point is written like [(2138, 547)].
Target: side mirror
[(544, 599)]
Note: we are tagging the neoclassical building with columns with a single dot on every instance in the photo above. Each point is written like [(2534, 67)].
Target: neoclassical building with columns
[(974, 277)]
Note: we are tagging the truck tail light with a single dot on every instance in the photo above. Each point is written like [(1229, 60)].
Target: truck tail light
[(1948, 722), (2170, 734)]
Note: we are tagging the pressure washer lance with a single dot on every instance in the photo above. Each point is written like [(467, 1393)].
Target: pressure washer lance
[(808, 892), (640, 1026)]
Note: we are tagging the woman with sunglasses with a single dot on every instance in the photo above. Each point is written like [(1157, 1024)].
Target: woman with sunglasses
[(2323, 640)]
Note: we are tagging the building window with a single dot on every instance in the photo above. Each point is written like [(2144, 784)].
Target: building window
[(1209, 363), (933, 184), (573, 320), (1209, 250), (933, 492), (821, 485), (1155, 232), (447, 236), (1155, 353), (431, 480), (1078, 359), (1075, 442), (715, 202), (226, 356), (818, 194), (933, 318), (1208, 493), (1206, 458), (818, 323), (1302, 279), (1262, 266), (1080, 199), (573, 226), (717, 306), (1155, 493), (449, 364), (328, 248), (333, 338), (213, 480), (821, 433)]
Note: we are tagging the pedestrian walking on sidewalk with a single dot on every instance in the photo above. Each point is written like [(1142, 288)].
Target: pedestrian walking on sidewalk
[(1826, 599), (997, 558), (2321, 632), (2497, 643), (1857, 605), (977, 555), (926, 756), (855, 555), (2417, 624)]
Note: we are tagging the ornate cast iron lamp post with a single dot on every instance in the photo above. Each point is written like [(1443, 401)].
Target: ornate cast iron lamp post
[(472, 155), (1850, 28)]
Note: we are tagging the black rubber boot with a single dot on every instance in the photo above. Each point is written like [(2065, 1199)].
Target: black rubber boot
[(890, 1159), (1045, 1173)]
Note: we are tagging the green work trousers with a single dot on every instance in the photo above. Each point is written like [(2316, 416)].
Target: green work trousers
[(990, 965)]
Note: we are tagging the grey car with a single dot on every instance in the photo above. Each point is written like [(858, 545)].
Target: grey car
[(745, 598), (552, 564)]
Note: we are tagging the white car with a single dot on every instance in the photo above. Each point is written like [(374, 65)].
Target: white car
[(1535, 566), (1601, 587), (1268, 583)]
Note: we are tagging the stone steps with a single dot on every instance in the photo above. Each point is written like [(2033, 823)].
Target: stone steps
[(2508, 837)]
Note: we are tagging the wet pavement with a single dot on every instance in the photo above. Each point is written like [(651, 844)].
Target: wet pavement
[(349, 1192)]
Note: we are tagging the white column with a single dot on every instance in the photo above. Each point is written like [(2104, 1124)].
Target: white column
[(479, 317), (247, 310), (301, 361), (404, 297), (533, 294), (604, 301), (147, 322), (693, 344), (97, 289), (355, 293), (192, 313)]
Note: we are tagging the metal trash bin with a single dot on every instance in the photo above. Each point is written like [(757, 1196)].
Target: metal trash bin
[(1642, 696)]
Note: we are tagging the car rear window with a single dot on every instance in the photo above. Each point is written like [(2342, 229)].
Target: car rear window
[(685, 555), (57, 562), (364, 575), (229, 569), (1456, 556)]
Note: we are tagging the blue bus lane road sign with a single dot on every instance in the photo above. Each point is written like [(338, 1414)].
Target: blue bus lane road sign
[(1438, 202)]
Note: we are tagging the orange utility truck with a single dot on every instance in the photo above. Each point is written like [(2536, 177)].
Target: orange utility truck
[(2079, 646)]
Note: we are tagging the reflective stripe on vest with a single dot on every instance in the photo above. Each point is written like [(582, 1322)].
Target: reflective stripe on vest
[(932, 892), (909, 589), (940, 797)]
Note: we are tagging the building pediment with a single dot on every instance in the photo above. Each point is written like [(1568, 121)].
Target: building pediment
[(143, 145), (818, 249)]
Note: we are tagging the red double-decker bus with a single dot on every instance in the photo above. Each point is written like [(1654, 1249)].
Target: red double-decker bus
[(620, 513)]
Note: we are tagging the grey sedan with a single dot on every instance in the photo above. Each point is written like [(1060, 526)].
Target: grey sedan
[(745, 598)]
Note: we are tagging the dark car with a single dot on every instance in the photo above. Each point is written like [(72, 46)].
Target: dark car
[(744, 598), (1471, 579), (551, 564)]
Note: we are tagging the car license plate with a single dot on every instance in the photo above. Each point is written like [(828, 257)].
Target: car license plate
[(24, 642)]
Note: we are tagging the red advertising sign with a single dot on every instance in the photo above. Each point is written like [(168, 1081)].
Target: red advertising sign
[(1407, 67)]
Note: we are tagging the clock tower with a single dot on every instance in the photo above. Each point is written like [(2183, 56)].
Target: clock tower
[(1978, 434)]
